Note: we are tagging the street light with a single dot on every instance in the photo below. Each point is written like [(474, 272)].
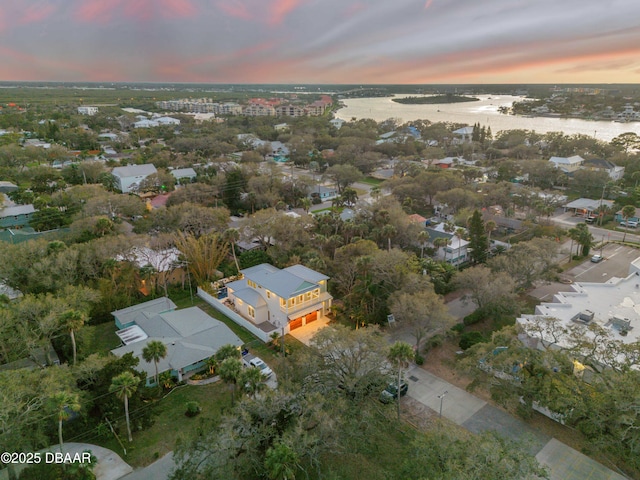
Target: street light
[(441, 397)]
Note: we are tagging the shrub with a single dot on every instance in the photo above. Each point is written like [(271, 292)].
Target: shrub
[(474, 317), (436, 341), (193, 409), (458, 328), (419, 359), (468, 339)]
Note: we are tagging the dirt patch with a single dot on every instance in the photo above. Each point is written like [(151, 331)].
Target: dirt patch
[(418, 414)]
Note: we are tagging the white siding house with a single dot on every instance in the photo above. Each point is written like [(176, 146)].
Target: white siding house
[(128, 178), (288, 298)]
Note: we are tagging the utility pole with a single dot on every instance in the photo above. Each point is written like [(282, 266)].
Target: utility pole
[(601, 213)]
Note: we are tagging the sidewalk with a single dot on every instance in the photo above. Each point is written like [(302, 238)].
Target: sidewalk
[(476, 415)]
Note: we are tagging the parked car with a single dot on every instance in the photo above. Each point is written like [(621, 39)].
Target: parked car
[(390, 393), (596, 258), (629, 224), (264, 368), (591, 219)]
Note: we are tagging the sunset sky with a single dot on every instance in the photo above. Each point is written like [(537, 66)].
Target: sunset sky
[(321, 41)]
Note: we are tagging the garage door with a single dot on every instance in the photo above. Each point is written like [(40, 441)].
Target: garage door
[(312, 316), (295, 323)]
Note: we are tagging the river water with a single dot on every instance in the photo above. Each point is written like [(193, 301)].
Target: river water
[(484, 112)]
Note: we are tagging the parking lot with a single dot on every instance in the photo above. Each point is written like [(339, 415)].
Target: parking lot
[(615, 264)]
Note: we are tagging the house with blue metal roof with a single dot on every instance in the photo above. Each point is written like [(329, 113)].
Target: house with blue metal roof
[(289, 298), (190, 336)]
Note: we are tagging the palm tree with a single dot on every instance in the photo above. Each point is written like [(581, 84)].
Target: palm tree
[(211, 363), (349, 196), (231, 236), (423, 238), (153, 352), (305, 203), (280, 462), (375, 192), (227, 351), (166, 380), (628, 211), (229, 371), (63, 404), (124, 386), (490, 226), (72, 320), (388, 231), (442, 242), (400, 354), (573, 234), (253, 380), (584, 238)]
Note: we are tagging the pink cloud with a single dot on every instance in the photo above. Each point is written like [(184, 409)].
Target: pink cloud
[(235, 9), (428, 4), (272, 12), (102, 11), (280, 9), (37, 13), (179, 8)]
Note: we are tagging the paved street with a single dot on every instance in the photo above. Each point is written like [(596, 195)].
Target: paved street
[(158, 470), (477, 416), (110, 466)]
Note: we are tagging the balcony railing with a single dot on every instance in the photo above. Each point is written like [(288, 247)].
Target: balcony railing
[(306, 304)]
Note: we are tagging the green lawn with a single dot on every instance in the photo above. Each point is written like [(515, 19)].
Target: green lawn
[(372, 181), (171, 422), (97, 338), (328, 209)]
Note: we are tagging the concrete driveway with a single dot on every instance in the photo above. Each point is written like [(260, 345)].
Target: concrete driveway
[(306, 332)]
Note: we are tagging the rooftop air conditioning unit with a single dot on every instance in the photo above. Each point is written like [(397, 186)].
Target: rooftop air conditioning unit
[(585, 316)]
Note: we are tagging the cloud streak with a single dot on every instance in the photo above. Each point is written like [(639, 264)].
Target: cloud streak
[(321, 41)]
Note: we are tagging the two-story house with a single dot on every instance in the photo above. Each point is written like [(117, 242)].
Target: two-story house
[(127, 179), (288, 298), (568, 164)]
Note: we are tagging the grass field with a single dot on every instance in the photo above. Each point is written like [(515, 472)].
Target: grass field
[(372, 181), (171, 422), (97, 338)]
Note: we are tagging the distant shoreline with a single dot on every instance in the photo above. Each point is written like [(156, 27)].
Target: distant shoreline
[(435, 99)]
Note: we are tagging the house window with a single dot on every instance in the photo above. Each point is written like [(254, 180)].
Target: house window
[(282, 302), (299, 298), (292, 301), (252, 311), (315, 293), (251, 283), (307, 296), (268, 294)]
